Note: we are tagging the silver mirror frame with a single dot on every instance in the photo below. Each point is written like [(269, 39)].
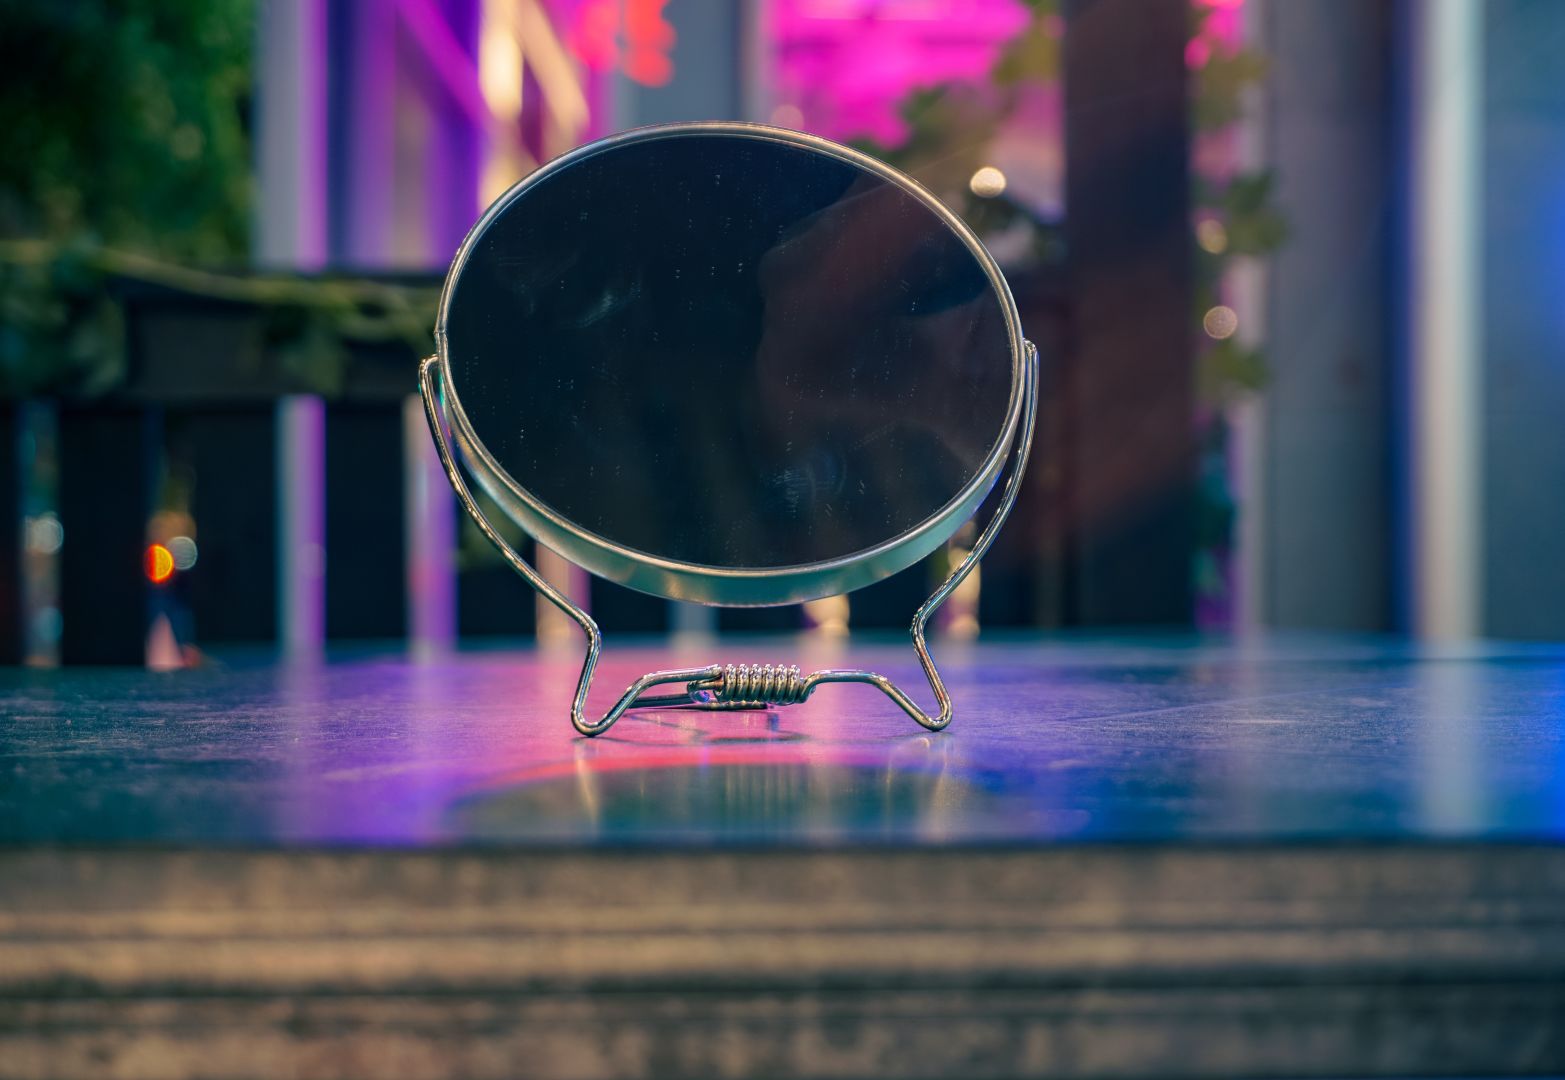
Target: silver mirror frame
[(727, 586), (732, 686)]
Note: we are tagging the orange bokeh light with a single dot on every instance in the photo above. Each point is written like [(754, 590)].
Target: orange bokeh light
[(160, 564)]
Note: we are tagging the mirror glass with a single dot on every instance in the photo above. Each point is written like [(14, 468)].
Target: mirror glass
[(734, 352)]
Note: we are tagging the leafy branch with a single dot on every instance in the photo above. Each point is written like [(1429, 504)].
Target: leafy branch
[(62, 327)]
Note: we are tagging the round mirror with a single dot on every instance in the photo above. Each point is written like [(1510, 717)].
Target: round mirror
[(730, 363)]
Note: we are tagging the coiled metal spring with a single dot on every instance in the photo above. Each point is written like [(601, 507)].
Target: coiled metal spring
[(756, 686)]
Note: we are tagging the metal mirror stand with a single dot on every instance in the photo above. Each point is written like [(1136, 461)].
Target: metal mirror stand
[(738, 686)]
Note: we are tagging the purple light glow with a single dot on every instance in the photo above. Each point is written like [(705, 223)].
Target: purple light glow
[(846, 65)]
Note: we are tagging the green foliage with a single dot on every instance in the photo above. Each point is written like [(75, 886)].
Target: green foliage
[(125, 124), (1250, 226), (58, 326), (1220, 86), (1227, 366), (1253, 223), (125, 128), (1034, 54), (126, 155), (951, 126), (1242, 208), (61, 327)]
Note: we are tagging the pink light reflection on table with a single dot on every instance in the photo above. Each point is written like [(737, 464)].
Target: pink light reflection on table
[(483, 726)]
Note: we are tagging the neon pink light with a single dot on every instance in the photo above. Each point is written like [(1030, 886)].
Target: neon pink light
[(847, 65)]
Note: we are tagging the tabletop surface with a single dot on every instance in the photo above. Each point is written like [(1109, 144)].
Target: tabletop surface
[(1154, 739)]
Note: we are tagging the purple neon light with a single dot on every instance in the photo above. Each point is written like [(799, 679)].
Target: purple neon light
[(847, 65)]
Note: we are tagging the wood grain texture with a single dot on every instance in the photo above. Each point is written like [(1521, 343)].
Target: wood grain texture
[(1125, 961)]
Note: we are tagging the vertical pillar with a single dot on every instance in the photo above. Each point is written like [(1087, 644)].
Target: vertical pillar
[(707, 82), (291, 232), (1447, 154), (457, 147), (455, 174), (363, 116), (1128, 382), (291, 134), (755, 78), (691, 620), (301, 525), (1522, 350), (1317, 509), (430, 527), (554, 626)]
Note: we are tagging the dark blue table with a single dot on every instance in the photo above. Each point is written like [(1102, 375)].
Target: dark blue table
[(1126, 857)]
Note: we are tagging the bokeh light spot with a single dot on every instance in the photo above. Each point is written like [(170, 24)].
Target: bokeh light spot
[(1212, 235), (160, 564), (987, 183), (1220, 322), (183, 549), (45, 535)]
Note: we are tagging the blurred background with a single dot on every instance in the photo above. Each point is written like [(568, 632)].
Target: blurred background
[(1291, 265)]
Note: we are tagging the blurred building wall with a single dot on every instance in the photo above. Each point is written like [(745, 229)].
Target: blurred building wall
[(1327, 498), (1340, 522), (1523, 328)]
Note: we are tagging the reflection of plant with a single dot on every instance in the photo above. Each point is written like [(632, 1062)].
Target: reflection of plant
[(1234, 219), (952, 126), (1234, 214)]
